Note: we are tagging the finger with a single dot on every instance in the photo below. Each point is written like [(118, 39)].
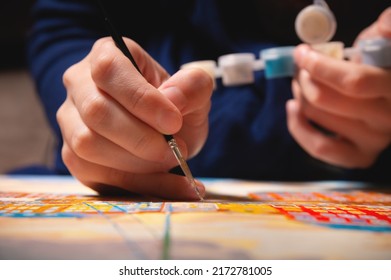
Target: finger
[(163, 185), (108, 118), (92, 147), (114, 74), (363, 81), (380, 28), (190, 90), (354, 131), (375, 112), (369, 32), (333, 150), (384, 23)]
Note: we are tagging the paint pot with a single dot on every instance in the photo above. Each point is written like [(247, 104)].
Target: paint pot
[(237, 69), (278, 62), (315, 24), (376, 52)]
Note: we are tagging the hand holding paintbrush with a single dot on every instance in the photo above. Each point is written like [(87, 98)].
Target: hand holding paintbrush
[(114, 119)]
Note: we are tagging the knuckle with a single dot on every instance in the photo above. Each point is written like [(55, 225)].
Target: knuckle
[(82, 142), (60, 115), (103, 63), (68, 75), (66, 79), (76, 166), (94, 110), (69, 159), (102, 44)]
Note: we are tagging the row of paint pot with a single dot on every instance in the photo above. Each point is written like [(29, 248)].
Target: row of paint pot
[(238, 68)]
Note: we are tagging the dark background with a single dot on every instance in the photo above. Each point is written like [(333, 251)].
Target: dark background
[(14, 26)]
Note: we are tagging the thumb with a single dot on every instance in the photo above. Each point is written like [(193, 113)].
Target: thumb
[(384, 23), (380, 28)]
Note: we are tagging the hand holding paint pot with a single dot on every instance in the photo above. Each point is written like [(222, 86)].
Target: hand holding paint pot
[(352, 100)]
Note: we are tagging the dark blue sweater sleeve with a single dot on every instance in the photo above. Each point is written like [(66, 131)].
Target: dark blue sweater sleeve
[(61, 35)]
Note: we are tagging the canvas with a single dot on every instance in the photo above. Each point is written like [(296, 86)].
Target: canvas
[(58, 218)]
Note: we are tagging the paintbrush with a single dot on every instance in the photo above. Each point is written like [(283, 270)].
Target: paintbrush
[(119, 42)]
